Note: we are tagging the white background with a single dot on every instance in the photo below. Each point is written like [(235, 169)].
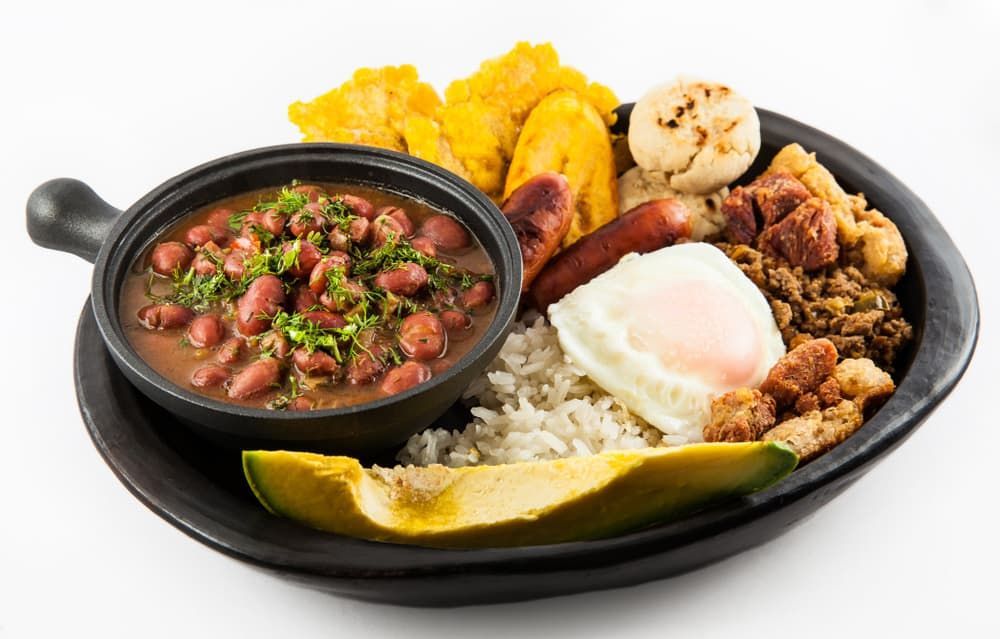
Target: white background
[(124, 97)]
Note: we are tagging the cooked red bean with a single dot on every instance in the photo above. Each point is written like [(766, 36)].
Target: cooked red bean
[(400, 216), (303, 299), (445, 297), (245, 245), (405, 376), (274, 344), (360, 231), (338, 239), (258, 306), (366, 367), (233, 265), (203, 234), (170, 256), (349, 294), (446, 233), (309, 220), (407, 279), (422, 336), (163, 316), (334, 260), (456, 323), (203, 265), (315, 363), (302, 402), (313, 192), (255, 379), (308, 257), (325, 319), (424, 245), (478, 296), (270, 220), (206, 331), (205, 262), (219, 218), (231, 350), (359, 206), (210, 377), (439, 365), (385, 227)]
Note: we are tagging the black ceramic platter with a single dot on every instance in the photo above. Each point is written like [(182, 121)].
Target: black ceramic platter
[(199, 488)]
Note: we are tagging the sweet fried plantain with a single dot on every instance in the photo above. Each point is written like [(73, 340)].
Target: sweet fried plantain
[(566, 134), (371, 108), (476, 131)]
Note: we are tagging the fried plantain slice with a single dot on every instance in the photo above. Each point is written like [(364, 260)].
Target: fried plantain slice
[(477, 128), (566, 134), (372, 108)]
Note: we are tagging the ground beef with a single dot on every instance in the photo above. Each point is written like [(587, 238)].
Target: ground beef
[(860, 317)]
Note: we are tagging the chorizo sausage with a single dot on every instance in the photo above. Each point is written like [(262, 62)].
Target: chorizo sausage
[(540, 210), (645, 228)]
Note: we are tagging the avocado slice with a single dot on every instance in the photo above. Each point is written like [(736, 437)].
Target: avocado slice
[(519, 504)]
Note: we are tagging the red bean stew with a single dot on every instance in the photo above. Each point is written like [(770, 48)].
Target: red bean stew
[(314, 296)]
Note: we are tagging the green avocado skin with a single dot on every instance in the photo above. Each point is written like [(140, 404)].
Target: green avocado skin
[(640, 502)]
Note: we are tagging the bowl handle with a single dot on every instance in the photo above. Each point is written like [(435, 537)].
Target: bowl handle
[(66, 215)]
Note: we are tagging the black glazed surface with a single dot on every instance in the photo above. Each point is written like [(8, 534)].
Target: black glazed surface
[(65, 214), (198, 488)]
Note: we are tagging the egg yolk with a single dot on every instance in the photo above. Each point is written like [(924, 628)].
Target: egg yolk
[(698, 328)]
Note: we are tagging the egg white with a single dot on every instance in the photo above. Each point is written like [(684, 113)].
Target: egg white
[(593, 323)]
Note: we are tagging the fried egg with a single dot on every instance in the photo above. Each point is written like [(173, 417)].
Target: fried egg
[(666, 331)]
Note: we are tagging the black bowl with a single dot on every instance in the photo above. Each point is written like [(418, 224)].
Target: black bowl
[(199, 488), (65, 214)]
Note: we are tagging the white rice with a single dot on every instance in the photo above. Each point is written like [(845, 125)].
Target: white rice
[(532, 403)]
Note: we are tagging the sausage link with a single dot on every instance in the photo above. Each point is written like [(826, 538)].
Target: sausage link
[(540, 210), (645, 228)]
